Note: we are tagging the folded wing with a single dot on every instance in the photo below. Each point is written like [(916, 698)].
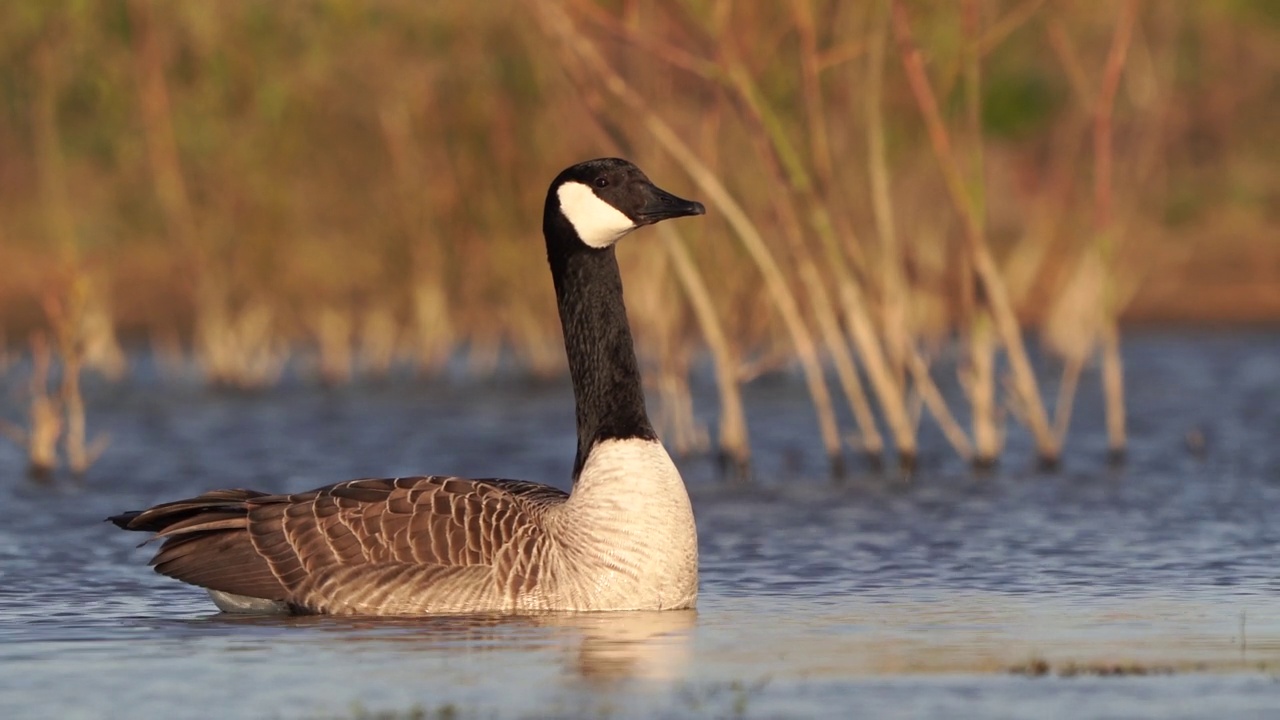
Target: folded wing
[(364, 546)]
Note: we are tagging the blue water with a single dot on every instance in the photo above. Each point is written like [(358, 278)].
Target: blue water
[(871, 596)]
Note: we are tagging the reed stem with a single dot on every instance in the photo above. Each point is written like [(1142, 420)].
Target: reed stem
[(1112, 364), (734, 448), (994, 292), (557, 24)]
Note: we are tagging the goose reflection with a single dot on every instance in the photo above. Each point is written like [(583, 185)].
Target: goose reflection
[(598, 647), (653, 645)]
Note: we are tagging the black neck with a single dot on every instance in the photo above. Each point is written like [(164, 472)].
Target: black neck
[(597, 339)]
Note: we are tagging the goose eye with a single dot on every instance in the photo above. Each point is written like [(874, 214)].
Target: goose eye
[(602, 182)]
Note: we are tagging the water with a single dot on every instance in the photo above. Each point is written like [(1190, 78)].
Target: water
[(870, 596)]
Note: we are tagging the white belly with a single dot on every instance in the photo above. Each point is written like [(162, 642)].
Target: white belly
[(229, 603)]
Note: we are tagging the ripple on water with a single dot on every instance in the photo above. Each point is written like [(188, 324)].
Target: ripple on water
[(902, 599)]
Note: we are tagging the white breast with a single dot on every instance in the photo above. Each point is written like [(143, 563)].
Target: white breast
[(628, 528)]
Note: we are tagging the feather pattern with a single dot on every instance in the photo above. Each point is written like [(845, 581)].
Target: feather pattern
[(362, 546), (425, 545)]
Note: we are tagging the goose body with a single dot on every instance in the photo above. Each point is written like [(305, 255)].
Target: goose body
[(623, 539)]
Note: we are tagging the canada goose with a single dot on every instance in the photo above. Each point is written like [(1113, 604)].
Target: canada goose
[(623, 539)]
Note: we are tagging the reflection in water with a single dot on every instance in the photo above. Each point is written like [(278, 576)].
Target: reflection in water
[(634, 645), (598, 647)]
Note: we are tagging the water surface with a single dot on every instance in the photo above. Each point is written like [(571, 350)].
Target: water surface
[(1143, 591)]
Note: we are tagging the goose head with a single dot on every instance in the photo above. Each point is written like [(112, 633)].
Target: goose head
[(602, 200)]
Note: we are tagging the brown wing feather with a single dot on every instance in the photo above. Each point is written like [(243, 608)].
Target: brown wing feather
[(238, 568), (205, 543), (356, 543), (369, 537)]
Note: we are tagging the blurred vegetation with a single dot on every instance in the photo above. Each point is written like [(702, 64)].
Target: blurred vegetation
[(363, 179)]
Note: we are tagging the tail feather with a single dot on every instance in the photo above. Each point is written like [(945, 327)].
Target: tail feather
[(125, 519), (206, 522), (207, 543)]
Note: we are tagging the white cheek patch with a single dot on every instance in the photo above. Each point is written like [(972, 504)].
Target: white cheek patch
[(598, 223)]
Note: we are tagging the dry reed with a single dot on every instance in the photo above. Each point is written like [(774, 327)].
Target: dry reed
[(44, 416), (66, 314), (995, 296), (283, 202)]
